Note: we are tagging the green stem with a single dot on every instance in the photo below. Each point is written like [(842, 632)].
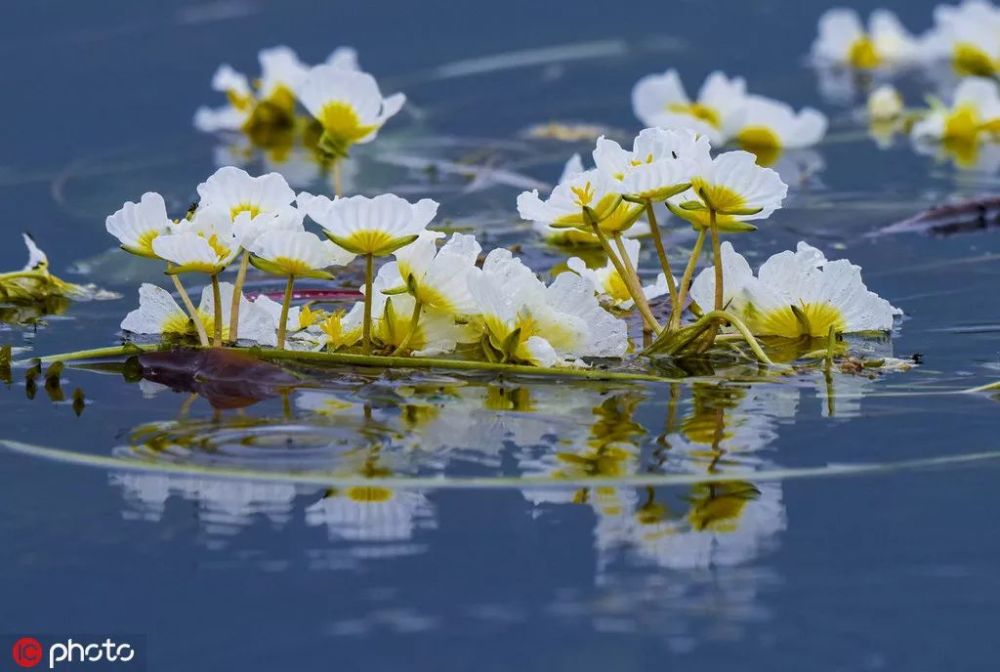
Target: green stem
[(661, 252), (377, 361), (367, 326), (717, 255), (199, 326), (633, 277), (217, 305), (286, 302), (678, 308), (337, 179), (647, 317), (234, 310), (831, 340), (414, 320)]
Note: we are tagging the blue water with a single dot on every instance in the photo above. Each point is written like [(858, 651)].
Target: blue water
[(890, 569)]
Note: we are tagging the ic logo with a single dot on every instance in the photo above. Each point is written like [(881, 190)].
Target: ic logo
[(28, 652)]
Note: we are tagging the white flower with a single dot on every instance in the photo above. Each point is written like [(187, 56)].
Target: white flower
[(438, 278), (610, 286), (771, 124), (974, 115), (736, 187), (884, 104), (137, 225), (345, 58), (235, 191), (296, 253), (36, 257), (204, 244), (273, 310), (843, 40), (967, 36), (660, 100), (564, 207), (377, 226), (797, 294), (348, 104), (436, 331), (659, 165), (523, 320), (281, 74), (159, 313), (247, 228)]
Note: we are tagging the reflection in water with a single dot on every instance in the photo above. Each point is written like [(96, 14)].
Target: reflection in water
[(666, 559)]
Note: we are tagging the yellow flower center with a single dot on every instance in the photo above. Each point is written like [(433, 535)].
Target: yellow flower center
[(283, 98), (615, 287), (341, 122), (145, 242), (369, 494), (763, 142), (237, 210), (962, 123), (309, 317), (221, 250), (968, 59), (703, 112), (584, 194), (863, 55), (291, 266), (814, 319), (720, 197)]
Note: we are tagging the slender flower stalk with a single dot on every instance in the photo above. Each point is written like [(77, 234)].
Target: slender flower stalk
[(286, 301), (678, 308), (633, 278), (637, 296), (234, 311), (367, 325), (716, 256), (189, 306), (661, 252), (217, 309), (337, 179)]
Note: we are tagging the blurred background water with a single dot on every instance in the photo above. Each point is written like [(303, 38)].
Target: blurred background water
[(893, 570)]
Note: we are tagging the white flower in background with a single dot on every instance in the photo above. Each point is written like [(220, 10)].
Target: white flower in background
[(137, 225), (797, 294), (273, 309), (235, 191), (376, 226), (609, 285), (736, 187), (158, 313), (844, 41), (564, 208), (37, 259), (281, 73), (884, 104), (437, 278), (371, 513), (973, 115), (966, 35), (523, 320), (203, 244), (660, 100), (299, 254), (773, 125), (348, 104)]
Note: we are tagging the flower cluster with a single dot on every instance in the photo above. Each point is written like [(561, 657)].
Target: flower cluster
[(724, 112), (345, 105), (962, 118)]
